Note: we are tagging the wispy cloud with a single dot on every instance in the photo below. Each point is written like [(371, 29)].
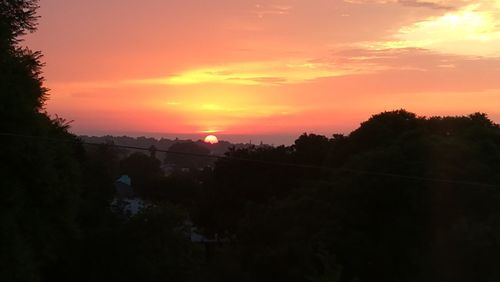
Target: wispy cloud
[(440, 5), (259, 73), (262, 10), (431, 4)]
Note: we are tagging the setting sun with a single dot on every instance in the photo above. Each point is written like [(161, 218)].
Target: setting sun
[(211, 139)]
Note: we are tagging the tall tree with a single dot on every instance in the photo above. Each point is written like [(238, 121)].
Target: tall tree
[(39, 181)]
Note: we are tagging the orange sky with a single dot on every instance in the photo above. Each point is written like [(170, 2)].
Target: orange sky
[(265, 67)]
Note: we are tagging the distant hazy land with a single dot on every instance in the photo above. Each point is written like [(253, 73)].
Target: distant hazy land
[(270, 139)]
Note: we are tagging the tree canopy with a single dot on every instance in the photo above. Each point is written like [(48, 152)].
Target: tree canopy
[(401, 198)]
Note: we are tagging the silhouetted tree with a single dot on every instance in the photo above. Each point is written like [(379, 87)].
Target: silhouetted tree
[(144, 170), (378, 207), (151, 246), (188, 155), (40, 178)]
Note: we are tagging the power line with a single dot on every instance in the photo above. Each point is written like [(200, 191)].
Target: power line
[(296, 165)]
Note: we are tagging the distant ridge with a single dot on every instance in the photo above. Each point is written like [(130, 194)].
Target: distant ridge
[(161, 143)]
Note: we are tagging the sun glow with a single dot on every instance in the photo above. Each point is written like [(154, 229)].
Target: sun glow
[(473, 30), (211, 139)]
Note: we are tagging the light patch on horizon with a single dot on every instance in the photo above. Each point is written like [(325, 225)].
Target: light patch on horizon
[(473, 30), (209, 131), (215, 110), (212, 118)]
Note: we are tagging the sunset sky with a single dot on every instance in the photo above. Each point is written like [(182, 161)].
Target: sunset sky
[(271, 67)]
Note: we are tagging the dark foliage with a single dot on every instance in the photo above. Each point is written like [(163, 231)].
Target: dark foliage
[(402, 198), (396, 200), (143, 170), (190, 155), (55, 216)]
